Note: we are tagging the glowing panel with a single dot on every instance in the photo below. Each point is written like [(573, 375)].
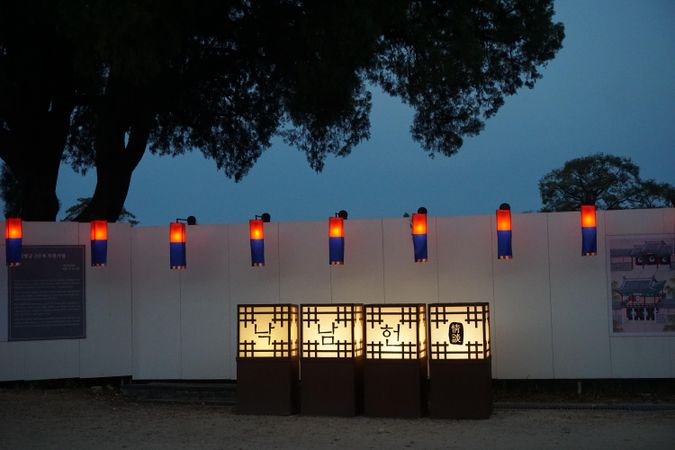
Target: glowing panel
[(332, 331), (504, 250), (336, 241), (589, 231), (267, 331), (177, 250), (419, 236), (395, 331), (257, 238), (459, 331), (99, 242)]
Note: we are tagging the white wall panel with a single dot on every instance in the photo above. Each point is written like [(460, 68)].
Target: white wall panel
[(361, 278), (107, 349), (405, 280), (669, 220), (247, 284), (641, 357), (522, 308), (156, 305), (465, 253), (13, 361), (303, 256), (465, 258), (579, 300), (205, 313), (636, 221), (52, 358), (253, 284)]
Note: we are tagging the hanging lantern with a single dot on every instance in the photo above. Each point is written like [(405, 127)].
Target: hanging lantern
[(589, 231), (13, 240), (504, 232), (257, 236), (336, 239), (177, 246), (99, 243), (419, 235)]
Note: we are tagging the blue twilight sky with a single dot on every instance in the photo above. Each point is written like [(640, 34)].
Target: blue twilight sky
[(610, 89)]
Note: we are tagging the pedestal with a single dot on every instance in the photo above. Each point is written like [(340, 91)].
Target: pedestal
[(331, 387), (267, 386), (394, 388), (460, 389)]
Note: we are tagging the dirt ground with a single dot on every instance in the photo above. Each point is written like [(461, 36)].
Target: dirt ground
[(82, 418)]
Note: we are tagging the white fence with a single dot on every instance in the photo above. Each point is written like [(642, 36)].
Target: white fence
[(550, 311)]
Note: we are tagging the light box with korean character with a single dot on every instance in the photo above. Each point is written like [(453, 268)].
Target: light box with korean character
[(331, 358), (267, 359), (395, 331), (395, 360), (459, 331), (460, 360)]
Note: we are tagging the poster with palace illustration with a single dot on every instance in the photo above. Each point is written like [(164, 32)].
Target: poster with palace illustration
[(642, 283)]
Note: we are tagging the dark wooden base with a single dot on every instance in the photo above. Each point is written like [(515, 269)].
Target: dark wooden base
[(394, 388), (267, 386), (331, 387), (460, 389)]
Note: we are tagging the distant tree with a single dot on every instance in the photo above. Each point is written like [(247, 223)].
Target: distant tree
[(76, 210), (609, 182), (105, 80)]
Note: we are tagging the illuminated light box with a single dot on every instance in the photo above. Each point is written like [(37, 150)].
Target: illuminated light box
[(589, 231), (267, 359), (177, 250), (257, 237), (331, 361), (504, 250), (13, 241), (99, 243), (460, 361), (419, 237), (395, 366)]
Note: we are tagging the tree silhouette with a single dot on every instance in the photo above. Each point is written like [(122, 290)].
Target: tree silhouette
[(225, 77), (607, 181)]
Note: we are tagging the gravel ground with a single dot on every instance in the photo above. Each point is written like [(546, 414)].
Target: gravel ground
[(82, 418)]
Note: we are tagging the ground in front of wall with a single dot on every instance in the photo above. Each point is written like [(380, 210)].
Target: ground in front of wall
[(101, 418)]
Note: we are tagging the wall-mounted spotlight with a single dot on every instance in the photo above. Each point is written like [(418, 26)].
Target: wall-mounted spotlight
[(13, 241), (99, 243), (589, 231), (177, 245), (257, 238), (336, 238), (419, 235), (504, 250)]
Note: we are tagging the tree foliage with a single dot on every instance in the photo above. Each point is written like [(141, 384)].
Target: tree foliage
[(225, 77), (607, 181), (74, 211)]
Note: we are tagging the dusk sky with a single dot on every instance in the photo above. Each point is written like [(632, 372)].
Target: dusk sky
[(610, 89)]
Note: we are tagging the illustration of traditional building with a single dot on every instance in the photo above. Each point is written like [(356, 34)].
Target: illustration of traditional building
[(657, 253), (641, 298)]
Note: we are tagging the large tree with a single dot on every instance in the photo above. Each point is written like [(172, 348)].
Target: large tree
[(225, 77), (607, 181)]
